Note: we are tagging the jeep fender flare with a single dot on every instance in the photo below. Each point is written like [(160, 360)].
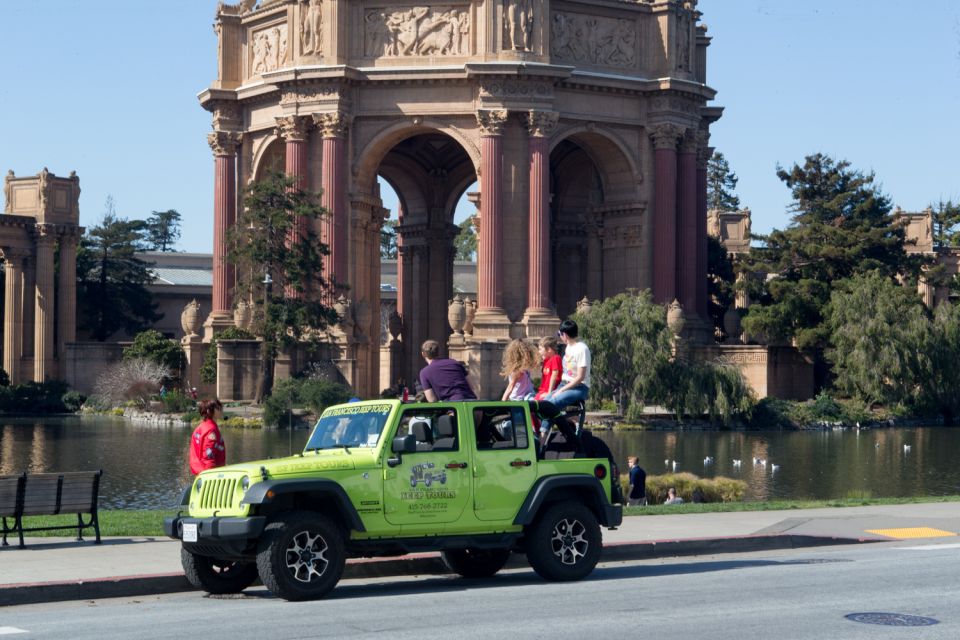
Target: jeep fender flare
[(542, 490), (269, 492)]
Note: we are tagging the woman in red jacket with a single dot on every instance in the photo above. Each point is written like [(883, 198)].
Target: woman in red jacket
[(207, 449)]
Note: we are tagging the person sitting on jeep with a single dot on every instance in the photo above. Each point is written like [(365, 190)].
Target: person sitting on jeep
[(443, 379)]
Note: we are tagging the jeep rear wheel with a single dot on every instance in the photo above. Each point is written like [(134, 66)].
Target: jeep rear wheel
[(215, 575), (301, 556), (564, 542), (475, 563)]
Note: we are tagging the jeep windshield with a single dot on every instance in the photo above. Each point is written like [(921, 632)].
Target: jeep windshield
[(349, 426)]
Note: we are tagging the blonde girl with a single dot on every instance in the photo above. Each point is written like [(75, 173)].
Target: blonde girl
[(519, 359)]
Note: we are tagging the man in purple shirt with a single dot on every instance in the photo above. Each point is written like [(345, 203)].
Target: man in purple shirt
[(443, 379)]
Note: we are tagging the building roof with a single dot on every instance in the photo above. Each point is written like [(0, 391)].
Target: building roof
[(183, 276)]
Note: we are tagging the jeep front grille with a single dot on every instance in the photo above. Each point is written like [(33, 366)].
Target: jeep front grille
[(217, 493)]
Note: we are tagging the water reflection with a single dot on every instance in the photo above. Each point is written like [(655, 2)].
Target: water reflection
[(146, 466)]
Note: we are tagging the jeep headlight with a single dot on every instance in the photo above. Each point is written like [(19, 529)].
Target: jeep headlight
[(245, 483), (199, 483)]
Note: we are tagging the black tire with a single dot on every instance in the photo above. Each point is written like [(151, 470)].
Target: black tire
[(301, 556), (564, 542), (475, 563), (215, 575)]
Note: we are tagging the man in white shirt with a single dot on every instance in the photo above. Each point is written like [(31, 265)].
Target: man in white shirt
[(575, 377)]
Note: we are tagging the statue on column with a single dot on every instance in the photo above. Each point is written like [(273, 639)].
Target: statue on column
[(8, 191), (519, 23), (311, 35)]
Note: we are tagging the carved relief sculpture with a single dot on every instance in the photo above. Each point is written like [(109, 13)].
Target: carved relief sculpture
[(684, 27), (417, 31), (311, 28), (603, 41), (518, 25), (269, 49)]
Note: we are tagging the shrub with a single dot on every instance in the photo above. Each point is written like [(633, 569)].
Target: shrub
[(177, 402), (314, 395), (239, 422), (152, 346), (135, 379), (73, 400), (34, 397), (719, 489)]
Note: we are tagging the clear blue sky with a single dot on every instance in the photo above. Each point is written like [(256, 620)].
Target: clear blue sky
[(108, 88)]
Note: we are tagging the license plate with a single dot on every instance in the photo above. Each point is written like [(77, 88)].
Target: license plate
[(189, 532)]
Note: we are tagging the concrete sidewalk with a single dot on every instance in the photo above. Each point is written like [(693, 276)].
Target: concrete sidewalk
[(53, 569)]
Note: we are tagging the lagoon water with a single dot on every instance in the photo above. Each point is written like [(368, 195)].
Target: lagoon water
[(145, 466)]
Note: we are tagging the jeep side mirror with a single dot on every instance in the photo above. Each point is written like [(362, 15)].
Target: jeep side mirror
[(400, 445)]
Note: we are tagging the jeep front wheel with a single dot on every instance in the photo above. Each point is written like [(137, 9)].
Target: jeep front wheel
[(475, 563), (215, 575), (564, 542), (301, 556)]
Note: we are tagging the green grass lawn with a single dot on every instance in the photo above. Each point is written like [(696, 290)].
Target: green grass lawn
[(145, 523)]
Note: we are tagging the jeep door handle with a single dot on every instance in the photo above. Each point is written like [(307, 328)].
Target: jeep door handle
[(456, 465), (520, 463)]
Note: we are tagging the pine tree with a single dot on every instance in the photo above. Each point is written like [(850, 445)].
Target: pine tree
[(946, 224), (721, 184), (283, 278), (841, 227), (112, 293), (465, 243), (163, 230)]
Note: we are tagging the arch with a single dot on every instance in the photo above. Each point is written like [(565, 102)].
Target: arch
[(376, 149), (618, 168), (266, 153)]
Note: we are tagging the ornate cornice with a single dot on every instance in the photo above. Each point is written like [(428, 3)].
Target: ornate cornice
[(540, 124), (224, 143), (226, 114), (334, 124), (294, 128), (491, 121), (45, 233), (666, 136)]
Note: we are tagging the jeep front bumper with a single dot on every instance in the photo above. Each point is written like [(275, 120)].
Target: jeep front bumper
[(216, 536)]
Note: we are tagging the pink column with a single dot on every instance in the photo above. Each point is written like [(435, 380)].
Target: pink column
[(665, 213), (539, 124), (703, 156), (334, 228), (293, 129), (224, 145), (489, 253), (688, 235), (400, 288)]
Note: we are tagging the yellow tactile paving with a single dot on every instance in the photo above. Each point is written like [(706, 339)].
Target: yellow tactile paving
[(912, 532)]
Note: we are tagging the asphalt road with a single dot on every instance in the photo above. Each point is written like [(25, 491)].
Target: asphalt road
[(794, 594)]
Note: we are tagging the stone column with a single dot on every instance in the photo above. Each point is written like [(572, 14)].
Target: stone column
[(703, 157), (224, 145), (13, 312), (43, 318), (540, 124), (67, 299), (665, 137), (294, 130), (688, 235), (491, 319), (333, 127)]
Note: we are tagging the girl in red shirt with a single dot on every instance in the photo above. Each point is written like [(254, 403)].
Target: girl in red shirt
[(552, 366), (207, 449)]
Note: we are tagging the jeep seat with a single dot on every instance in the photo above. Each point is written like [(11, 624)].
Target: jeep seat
[(423, 434), (447, 432)]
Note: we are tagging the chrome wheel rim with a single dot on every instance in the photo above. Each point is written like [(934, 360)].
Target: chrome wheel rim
[(307, 556), (569, 542)]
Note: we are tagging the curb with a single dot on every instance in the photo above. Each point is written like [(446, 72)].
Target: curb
[(412, 564)]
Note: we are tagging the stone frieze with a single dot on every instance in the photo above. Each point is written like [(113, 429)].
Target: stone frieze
[(269, 49), (391, 32), (596, 40)]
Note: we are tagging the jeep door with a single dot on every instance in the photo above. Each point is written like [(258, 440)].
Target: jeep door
[(505, 462), (432, 485)]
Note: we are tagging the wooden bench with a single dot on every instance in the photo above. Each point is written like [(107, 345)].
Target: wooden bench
[(50, 494)]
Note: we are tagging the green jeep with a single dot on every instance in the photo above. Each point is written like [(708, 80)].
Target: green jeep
[(382, 478)]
